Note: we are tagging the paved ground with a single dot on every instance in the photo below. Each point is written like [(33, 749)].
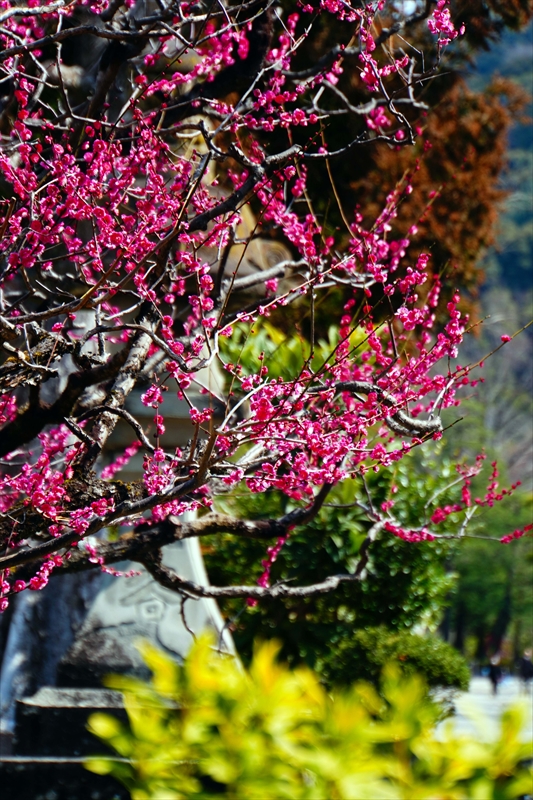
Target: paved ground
[(480, 702)]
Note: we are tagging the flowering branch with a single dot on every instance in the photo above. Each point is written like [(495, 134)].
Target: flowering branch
[(159, 212)]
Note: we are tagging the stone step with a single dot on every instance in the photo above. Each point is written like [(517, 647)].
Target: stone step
[(53, 722)]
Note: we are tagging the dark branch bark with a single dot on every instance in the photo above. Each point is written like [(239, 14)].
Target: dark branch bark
[(170, 580), (132, 545), (123, 385), (398, 421), (33, 419), (231, 203), (167, 578)]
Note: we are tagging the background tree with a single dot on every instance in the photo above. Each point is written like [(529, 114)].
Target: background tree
[(457, 161), (489, 600)]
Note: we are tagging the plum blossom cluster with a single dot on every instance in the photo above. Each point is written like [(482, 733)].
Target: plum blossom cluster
[(38, 486), (95, 558), (409, 535), (36, 583), (8, 408), (120, 461), (517, 534), (268, 562), (81, 518), (157, 473), (440, 24), (454, 518)]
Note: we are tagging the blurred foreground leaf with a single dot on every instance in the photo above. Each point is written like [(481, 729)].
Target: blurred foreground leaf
[(210, 728)]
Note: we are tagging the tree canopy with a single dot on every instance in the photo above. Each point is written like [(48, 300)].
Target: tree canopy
[(163, 196)]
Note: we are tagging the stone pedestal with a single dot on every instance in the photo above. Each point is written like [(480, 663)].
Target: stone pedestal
[(55, 778), (51, 743), (50, 740), (53, 722)]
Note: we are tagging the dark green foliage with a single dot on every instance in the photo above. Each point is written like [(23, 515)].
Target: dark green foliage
[(365, 653), (494, 597), (404, 585)]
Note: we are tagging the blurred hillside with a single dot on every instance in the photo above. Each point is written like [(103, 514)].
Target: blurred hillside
[(492, 606), (511, 265), (501, 411)]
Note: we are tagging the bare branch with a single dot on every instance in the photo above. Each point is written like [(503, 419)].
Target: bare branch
[(170, 580), (23, 11), (123, 385), (120, 412), (398, 421)]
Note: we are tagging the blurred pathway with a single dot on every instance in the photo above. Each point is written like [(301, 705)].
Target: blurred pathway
[(479, 700)]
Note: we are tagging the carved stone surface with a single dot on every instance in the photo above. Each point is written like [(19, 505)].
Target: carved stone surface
[(127, 610), (42, 628)]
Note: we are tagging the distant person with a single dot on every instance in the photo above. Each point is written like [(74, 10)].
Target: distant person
[(495, 673), (525, 669)]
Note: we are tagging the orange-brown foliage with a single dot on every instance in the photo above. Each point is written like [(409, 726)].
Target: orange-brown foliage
[(463, 161)]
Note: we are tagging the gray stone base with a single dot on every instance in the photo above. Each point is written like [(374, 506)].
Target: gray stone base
[(54, 721), (50, 744)]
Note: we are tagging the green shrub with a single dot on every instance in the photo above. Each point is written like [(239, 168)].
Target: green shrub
[(210, 728), (405, 585), (365, 653)]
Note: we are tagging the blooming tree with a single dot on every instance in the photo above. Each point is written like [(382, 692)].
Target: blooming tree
[(154, 162)]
